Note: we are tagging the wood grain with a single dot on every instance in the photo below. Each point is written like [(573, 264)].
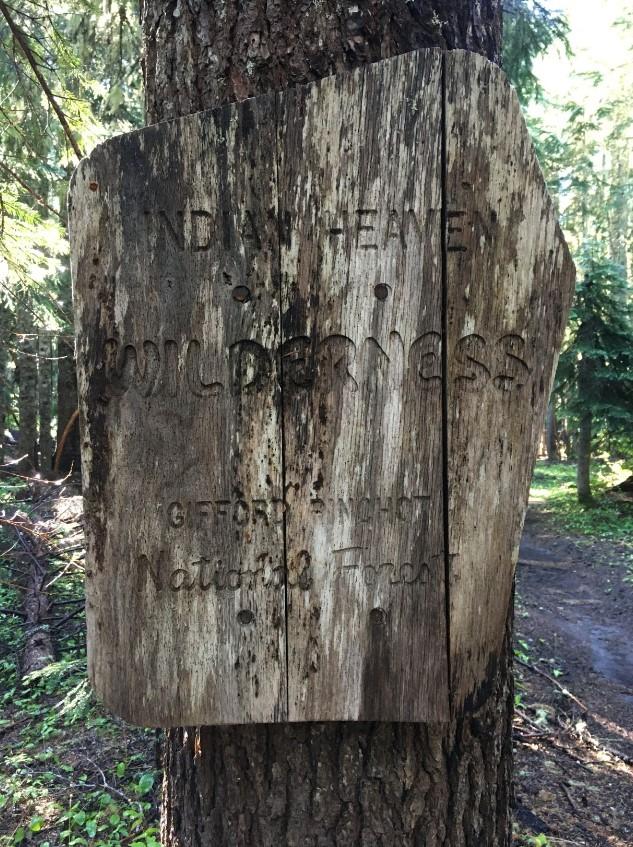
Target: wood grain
[(175, 276), (316, 334), (360, 180), (509, 286)]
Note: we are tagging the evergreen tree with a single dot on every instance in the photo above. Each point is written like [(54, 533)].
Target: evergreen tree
[(588, 165), (596, 367), (69, 77), (529, 29)]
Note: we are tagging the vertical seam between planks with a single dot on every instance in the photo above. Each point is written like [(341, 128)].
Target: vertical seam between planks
[(445, 488), (278, 104)]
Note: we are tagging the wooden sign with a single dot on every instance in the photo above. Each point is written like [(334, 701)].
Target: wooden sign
[(316, 333)]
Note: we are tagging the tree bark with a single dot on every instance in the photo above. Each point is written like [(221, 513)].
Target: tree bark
[(587, 340), (45, 373), (326, 783), (344, 784), (551, 435), (200, 55), (583, 468), (26, 368), (5, 324)]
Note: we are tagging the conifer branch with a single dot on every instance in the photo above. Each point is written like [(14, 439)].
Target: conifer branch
[(37, 197), (23, 43)]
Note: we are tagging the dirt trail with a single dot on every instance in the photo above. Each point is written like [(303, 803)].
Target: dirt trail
[(574, 624)]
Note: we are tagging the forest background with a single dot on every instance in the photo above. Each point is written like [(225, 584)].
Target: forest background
[(70, 77)]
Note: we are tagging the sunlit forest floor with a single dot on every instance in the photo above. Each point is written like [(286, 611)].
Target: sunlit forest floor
[(574, 673), (72, 775)]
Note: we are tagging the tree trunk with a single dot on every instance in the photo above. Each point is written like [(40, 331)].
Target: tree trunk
[(5, 325), (325, 783), (583, 468), (196, 56), (566, 441), (344, 784), (67, 404), (588, 341), (27, 383), (551, 435), (619, 214), (67, 401), (45, 372)]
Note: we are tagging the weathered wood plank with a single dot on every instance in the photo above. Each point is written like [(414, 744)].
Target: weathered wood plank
[(175, 268), (271, 433), (360, 190), (509, 286)]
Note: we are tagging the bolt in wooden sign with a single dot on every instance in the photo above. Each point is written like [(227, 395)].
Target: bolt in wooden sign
[(316, 333)]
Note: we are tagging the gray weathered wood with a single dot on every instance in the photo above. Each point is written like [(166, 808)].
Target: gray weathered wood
[(509, 286), (316, 333), (180, 410), (360, 181)]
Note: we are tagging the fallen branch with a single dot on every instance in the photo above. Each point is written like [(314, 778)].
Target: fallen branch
[(68, 617), (570, 799), (62, 440), (83, 786), (555, 682), (37, 197), (106, 785), (15, 612)]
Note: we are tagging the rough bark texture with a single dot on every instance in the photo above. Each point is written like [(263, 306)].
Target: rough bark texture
[(325, 784), (347, 784), (200, 55)]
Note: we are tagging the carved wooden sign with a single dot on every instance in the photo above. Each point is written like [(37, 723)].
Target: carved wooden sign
[(316, 333)]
